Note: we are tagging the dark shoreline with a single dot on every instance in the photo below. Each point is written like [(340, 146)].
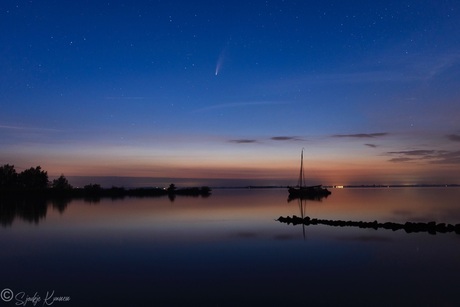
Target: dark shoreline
[(409, 227), (94, 191)]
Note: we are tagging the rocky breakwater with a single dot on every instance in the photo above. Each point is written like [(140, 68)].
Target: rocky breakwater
[(409, 227)]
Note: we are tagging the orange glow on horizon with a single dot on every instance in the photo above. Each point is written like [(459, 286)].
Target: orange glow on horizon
[(322, 165), (333, 173)]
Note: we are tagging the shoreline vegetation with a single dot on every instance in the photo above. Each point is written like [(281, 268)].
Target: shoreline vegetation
[(409, 227), (34, 182)]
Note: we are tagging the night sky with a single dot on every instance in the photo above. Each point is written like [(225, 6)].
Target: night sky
[(233, 89)]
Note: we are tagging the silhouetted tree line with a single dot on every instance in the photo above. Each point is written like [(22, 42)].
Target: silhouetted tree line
[(26, 195), (34, 181)]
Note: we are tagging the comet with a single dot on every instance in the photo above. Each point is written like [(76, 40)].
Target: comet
[(220, 60), (218, 65)]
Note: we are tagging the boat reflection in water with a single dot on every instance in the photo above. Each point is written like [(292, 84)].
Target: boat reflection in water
[(302, 202), (312, 192), (306, 192)]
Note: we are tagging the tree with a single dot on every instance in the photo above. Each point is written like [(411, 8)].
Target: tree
[(171, 188), (8, 177), (61, 184), (92, 192), (92, 188), (33, 179)]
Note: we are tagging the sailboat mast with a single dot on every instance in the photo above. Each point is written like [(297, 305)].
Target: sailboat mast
[(301, 175)]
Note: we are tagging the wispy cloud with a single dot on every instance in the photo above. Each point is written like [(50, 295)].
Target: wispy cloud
[(241, 105), (285, 138), (429, 156), (11, 127), (386, 67), (442, 63), (273, 138), (449, 157), (401, 159), (243, 141), (124, 98), (362, 77), (361, 135), (419, 152), (25, 128), (454, 137), (371, 145)]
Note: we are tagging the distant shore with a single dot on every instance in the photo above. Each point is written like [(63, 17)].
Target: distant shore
[(95, 191), (229, 183), (34, 182)]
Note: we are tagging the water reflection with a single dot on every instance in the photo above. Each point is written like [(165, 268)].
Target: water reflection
[(314, 197), (227, 250), (302, 203), (60, 204), (31, 210)]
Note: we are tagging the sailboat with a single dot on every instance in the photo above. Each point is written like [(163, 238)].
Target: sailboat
[(306, 192)]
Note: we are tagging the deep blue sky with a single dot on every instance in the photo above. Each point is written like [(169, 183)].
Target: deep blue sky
[(233, 89)]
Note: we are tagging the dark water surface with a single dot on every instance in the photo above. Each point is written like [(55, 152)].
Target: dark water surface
[(228, 250)]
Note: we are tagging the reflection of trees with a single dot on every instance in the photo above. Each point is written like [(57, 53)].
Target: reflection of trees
[(7, 213), (92, 199), (60, 204), (27, 195), (31, 210)]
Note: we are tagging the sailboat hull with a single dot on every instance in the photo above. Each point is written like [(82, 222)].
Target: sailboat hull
[(312, 192)]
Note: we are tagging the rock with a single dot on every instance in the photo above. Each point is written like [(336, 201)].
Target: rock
[(409, 227)]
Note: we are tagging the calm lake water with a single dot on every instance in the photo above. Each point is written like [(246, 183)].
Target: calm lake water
[(229, 250)]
